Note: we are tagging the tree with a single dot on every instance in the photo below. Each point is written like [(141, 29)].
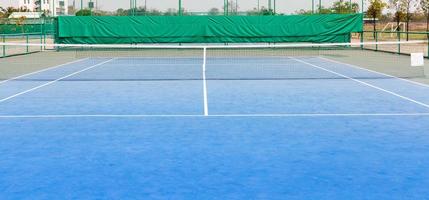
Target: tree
[(253, 12), (142, 11), (121, 12), (403, 11), (261, 11), (2, 10), (6, 12), (214, 11), (172, 12), (344, 7), (84, 12), (375, 10), (232, 7), (424, 6), (265, 11), (38, 4), (303, 12), (325, 10), (154, 12)]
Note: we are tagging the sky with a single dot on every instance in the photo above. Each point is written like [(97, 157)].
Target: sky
[(284, 6)]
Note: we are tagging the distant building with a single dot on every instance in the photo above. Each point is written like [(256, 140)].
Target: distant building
[(26, 15), (50, 7)]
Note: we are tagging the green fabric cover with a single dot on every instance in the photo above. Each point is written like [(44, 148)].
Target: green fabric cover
[(208, 29)]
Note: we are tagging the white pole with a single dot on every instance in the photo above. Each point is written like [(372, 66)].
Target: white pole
[(206, 107)]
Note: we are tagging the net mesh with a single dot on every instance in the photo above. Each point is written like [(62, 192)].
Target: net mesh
[(222, 62)]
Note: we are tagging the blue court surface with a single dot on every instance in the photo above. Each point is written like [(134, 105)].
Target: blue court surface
[(139, 128)]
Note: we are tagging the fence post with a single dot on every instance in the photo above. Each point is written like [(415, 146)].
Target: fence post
[(4, 46), (399, 42), (44, 41), (361, 39), (26, 39), (427, 45), (376, 40), (41, 42), (42, 36)]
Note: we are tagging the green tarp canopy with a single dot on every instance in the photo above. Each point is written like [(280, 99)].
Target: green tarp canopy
[(207, 29)]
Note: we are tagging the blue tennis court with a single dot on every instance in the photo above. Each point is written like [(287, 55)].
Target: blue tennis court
[(293, 127)]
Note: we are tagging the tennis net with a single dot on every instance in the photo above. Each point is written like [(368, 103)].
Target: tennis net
[(214, 62)]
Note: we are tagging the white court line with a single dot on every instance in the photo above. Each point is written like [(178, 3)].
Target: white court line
[(51, 82), (314, 115), (253, 64), (365, 83), (49, 68), (206, 105), (357, 67), (191, 57)]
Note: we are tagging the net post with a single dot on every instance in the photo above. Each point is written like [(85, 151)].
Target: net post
[(205, 96), (204, 58)]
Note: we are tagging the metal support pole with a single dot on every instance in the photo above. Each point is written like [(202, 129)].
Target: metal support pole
[(274, 7), (399, 42), (376, 40), (362, 5), (428, 47), (135, 7), (180, 7), (43, 34), (26, 40), (41, 42), (312, 6), (4, 46), (145, 7), (350, 6), (226, 9), (90, 8), (320, 6), (269, 4), (132, 9), (258, 6), (81, 4)]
